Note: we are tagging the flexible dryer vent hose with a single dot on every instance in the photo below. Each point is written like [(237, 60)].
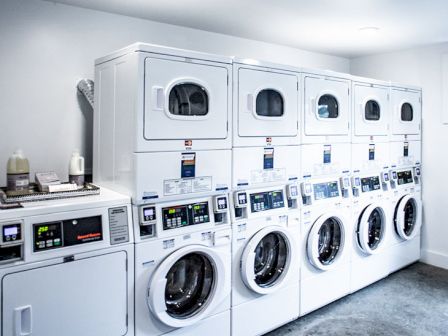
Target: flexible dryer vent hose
[(86, 87)]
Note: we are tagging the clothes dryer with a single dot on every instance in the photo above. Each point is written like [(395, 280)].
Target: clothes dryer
[(183, 267), (326, 107), (370, 110), (162, 122), (369, 262), (265, 259), (406, 114), (67, 267), (325, 242), (266, 104), (406, 217)]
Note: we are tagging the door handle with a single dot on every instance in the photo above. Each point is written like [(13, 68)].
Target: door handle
[(250, 102), (23, 322), (158, 98)]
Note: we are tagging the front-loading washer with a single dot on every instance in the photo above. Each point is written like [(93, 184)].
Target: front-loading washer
[(326, 107), (325, 242), (406, 116), (183, 267), (265, 259), (370, 233), (405, 217), (266, 104), (67, 267)]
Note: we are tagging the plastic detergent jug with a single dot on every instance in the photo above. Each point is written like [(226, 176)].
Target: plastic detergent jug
[(76, 169), (18, 172)]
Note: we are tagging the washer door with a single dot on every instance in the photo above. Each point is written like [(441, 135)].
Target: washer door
[(371, 228), (407, 217), (326, 241), (266, 259), (187, 285)]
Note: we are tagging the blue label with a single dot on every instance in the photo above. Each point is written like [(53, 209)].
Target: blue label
[(268, 161), (327, 154), (188, 165)]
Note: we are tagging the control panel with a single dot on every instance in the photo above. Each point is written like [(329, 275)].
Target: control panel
[(53, 235), (307, 189), (293, 191), (345, 183), (268, 200), (370, 183), (185, 215), (326, 190), (385, 177), (405, 177), (148, 215), (11, 233)]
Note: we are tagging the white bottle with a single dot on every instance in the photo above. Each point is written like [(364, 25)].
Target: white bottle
[(18, 172), (76, 169)]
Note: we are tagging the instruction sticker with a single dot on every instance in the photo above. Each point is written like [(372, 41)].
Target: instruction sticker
[(371, 152), (327, 153), (188, 165), (187, 186), (265, 176), (268, 160)]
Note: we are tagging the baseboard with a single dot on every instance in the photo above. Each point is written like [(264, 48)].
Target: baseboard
[(434, 258)]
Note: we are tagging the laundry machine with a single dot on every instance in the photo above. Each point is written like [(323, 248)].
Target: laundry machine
[(162, 123), (325, 241), (406, 217), (265, 259), (266, 104), (183, 267), (67, 267), (370, 110), (406, 116), (326, 107), (369, 261)]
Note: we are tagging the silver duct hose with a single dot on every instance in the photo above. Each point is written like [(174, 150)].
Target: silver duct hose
[(87, 88)]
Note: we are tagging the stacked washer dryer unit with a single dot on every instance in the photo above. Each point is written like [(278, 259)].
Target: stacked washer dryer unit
[(162, 135), (67, 267), (325, 170), (370, 181), (406, 203), (265, 216)]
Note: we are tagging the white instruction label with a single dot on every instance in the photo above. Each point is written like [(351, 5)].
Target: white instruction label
[(268, 175), (187, 186)]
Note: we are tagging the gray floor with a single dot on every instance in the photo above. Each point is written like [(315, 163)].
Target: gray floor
[(411, 302)]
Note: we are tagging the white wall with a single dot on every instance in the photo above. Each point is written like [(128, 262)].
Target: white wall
[(45, 48), (423, 67)]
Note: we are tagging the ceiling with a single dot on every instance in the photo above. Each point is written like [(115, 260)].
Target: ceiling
[(328, 26)]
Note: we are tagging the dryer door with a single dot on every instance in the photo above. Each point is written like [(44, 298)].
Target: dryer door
[(326, 241), (327, 106), (267, 103), (408, 217), (185, 100), (406, 114), (371, 229), (266, 259), (370, 110), (187, 286)]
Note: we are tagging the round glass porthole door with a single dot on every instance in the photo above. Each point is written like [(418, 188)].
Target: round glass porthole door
[(266, 259), (328, 107), (189, 285), (371, 229), (407, 112), (372, 111), (269, 103), (326, 242), (188, 99), (407, 217)]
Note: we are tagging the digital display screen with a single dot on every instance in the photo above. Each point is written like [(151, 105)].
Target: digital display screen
[(11, 233), (47, 236), (326, 190), (149, 214), (185, 215), (370, 183), (266, 201), (405, 177)]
